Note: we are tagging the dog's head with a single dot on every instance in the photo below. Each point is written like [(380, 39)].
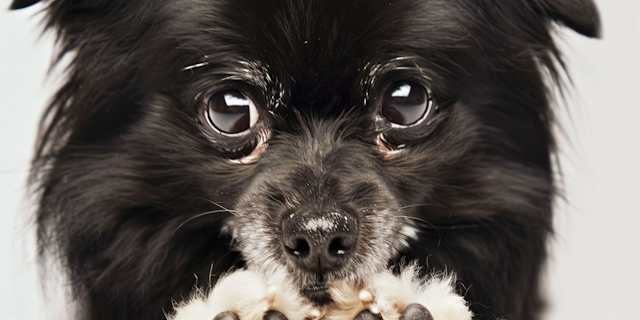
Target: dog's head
[(326, 138)]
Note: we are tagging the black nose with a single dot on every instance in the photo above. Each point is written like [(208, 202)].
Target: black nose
[(320, 242)]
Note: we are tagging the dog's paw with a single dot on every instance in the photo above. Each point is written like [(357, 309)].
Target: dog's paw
[(367, 315), (246, 295), (269, 315), (226, 315), (405, 297), (249, 295), (416, 311), (413, 311)]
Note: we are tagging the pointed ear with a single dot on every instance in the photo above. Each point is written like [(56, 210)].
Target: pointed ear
[(579, 15), (19, 4)]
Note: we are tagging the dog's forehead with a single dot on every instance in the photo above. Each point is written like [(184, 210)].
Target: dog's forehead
[(319, 49)]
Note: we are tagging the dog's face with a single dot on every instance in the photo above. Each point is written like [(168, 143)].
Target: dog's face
[(330, 139), (342, 144)]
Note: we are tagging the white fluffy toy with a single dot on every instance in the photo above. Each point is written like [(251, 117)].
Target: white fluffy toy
[(250, 294)]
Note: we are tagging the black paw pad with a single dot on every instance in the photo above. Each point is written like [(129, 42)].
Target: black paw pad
[(416, 311), (226, 315), (274, 315), (367, 315)]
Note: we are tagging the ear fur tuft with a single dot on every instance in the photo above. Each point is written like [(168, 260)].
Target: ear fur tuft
[(19, 4), (580, 15)]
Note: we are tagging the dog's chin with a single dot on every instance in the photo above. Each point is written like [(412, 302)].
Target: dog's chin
[(318, 294)]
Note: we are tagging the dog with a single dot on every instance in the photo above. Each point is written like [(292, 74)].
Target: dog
[(307, 144)]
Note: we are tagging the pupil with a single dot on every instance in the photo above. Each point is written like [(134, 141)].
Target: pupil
[(405, 104), (229, 112)]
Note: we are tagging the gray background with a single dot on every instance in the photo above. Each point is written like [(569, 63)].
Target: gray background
[(593, 270)]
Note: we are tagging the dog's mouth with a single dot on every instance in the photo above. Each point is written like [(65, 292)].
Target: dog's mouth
[(318, 294)]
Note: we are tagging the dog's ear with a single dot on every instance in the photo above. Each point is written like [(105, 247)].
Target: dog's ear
[(19, 4), (579, 15)]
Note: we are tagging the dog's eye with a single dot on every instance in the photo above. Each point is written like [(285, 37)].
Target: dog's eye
[(406, 103), (231, 112)]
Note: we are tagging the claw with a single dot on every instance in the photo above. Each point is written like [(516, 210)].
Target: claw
[(416, 311), (272, 292), (274, 315), (368, 300), (367, 315), (226, 315), (314, 314), (365, 296)]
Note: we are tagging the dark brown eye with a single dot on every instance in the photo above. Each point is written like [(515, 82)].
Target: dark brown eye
[(231, 112), (406, 103)]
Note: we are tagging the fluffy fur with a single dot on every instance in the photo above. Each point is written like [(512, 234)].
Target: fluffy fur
[(137, 193), (249, 294)]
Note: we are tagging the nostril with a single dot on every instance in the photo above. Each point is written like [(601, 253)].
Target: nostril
[(319, 242), (337, 248), (300, 248)]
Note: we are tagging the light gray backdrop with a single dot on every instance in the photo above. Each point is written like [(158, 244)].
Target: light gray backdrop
[(593, 273)]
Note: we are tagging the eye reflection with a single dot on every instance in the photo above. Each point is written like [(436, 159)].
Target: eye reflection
[(405, 103), (231, 112), (402, 91)]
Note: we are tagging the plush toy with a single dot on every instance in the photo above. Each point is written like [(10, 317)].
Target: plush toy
[(254, 295)]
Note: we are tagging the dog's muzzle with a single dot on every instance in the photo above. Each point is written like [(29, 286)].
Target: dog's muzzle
[(320, 243)]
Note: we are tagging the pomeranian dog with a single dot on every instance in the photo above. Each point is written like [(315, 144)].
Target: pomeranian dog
[(309, 144)]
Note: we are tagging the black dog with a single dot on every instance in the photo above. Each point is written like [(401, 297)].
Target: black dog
[(329, 139)]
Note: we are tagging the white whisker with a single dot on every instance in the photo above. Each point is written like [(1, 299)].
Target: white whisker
[(195, 217), (197, 65)]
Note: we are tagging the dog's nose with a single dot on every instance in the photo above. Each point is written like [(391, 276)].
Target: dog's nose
[(320, 242)]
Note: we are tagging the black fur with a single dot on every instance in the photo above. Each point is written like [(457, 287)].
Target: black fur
[(137, 194)]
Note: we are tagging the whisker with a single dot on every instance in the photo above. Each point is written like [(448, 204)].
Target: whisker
[(211, 274), (427, 223), (427, 205), (193, 218), (421, 205), (459, 226), (197, 65), (219, 205)]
